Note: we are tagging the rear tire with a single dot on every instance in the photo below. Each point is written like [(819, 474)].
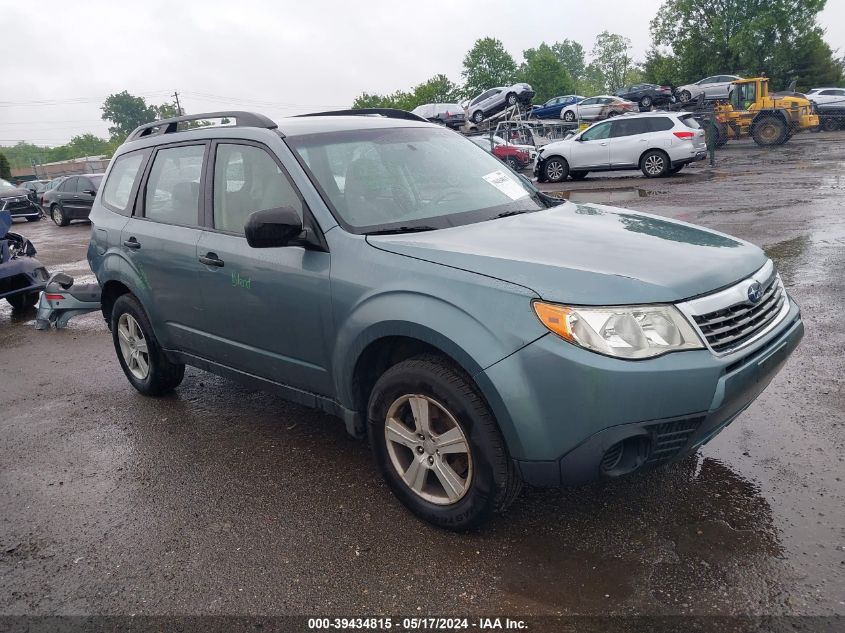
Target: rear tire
[(829, 124), (684, 96), (58, 215), (578, 175), (645, 103), (161, 375), (654, 163), (569, 116), (511, 99), (512, 163), (477, 116), (457, 490), (769, 130), (23, 302), (555, 169)]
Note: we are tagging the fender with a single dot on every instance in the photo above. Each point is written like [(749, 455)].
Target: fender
[(113, 265), (430, 319)]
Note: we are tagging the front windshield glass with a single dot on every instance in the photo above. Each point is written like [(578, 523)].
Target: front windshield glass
[(395, 179)]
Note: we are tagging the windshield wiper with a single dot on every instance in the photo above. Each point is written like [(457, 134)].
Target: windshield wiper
[(506, 214), (402, 229)]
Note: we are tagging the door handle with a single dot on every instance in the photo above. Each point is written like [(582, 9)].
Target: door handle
[(211, 259), (604, 143), (132, 243)]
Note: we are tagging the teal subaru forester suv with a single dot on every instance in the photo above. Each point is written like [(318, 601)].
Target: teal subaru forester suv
[(391, 272)]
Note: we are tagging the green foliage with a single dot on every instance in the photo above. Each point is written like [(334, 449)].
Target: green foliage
[(778, 38), (612, 63), (571, 54), (126, 112), (487, 65), (5, 168), (546, 74), (438, 89)]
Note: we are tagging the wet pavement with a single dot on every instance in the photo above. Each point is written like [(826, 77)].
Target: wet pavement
[(222, 500)]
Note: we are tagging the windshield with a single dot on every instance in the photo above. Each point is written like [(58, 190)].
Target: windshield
[(5, 184), (396, 179)]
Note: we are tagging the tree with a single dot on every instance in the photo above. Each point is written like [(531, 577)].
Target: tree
[(487, 65), (545, 73), (611, 61), (5, 168), (126, 112), (438, 89), (780, 38), (571, 54)]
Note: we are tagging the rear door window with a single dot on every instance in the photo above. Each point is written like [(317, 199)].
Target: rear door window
[(630, 127), (69, 185), (173, 186), (122, 178)]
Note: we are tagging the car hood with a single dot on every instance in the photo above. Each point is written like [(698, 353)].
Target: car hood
[(17, 192), (588, 254)]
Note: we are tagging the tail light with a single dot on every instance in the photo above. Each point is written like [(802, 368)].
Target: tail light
[(684, 134), (52, 297)]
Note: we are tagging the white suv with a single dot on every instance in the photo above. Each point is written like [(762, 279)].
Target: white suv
[(658, 143)]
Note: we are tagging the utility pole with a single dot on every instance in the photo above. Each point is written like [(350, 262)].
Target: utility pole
[(178, 107)]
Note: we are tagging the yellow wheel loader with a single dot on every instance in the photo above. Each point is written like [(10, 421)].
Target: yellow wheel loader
[(770, 119)]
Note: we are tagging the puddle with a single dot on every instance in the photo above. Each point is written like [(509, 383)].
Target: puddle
[(605, 195)]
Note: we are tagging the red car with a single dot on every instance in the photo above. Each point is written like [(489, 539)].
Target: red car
[(515, 157)]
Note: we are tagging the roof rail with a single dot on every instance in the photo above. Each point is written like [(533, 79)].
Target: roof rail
[(390, 113), (168, 126)]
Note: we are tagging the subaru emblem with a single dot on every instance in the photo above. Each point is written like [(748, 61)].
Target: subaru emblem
[(755, 292)]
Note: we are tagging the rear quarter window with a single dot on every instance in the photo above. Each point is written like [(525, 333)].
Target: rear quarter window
[(121, 183), (661, 124), (690, 122)]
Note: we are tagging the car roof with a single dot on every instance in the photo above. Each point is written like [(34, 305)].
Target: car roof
[(287, 127)]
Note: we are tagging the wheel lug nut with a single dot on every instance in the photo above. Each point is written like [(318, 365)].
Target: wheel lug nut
[(419, 449), (430, 459)]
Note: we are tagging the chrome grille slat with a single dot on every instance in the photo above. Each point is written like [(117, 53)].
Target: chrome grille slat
[(731, 325)]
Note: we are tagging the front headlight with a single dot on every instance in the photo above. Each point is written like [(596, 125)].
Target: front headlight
[(632, 332)]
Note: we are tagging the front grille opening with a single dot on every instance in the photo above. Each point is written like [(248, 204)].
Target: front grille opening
[(730, 327), (670, 438)]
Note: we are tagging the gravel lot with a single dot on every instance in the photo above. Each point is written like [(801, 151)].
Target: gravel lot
[(222, 500)]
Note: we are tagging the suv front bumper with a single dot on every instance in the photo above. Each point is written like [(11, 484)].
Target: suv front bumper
[(564, 411)]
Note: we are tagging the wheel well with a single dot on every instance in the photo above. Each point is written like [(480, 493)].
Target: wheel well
[(654, 149), (111, 291), (381, 355)]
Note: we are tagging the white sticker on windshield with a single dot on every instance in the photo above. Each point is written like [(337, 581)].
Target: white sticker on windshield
[(506, 185)]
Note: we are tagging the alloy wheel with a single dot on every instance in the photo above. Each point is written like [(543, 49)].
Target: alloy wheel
[(554, 171), (57, 216), (428, 449), (654, 164), (133, 346), (569, 116)]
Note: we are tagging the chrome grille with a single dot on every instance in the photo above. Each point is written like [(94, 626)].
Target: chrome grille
[(730, 327)]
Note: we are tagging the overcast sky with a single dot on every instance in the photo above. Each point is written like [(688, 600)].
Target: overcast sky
[(61, 59)]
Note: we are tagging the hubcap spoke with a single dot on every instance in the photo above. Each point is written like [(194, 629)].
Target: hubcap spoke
[(401, 434), (416, 474), (419, 408), (452, 441), (453, 485)]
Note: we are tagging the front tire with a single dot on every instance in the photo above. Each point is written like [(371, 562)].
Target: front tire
[(436, 443), (569, 116), (769, 130), (58, 215), (684, 96), (143, 361), (555, 169), (23, 302), (512, 163), (478, 116), (645, 103), (511, 99), (654, 164)]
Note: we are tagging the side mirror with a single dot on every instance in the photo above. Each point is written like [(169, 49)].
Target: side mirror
[(269, 228)]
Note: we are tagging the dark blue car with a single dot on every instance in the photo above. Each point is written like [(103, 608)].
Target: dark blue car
[(551, 108)]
